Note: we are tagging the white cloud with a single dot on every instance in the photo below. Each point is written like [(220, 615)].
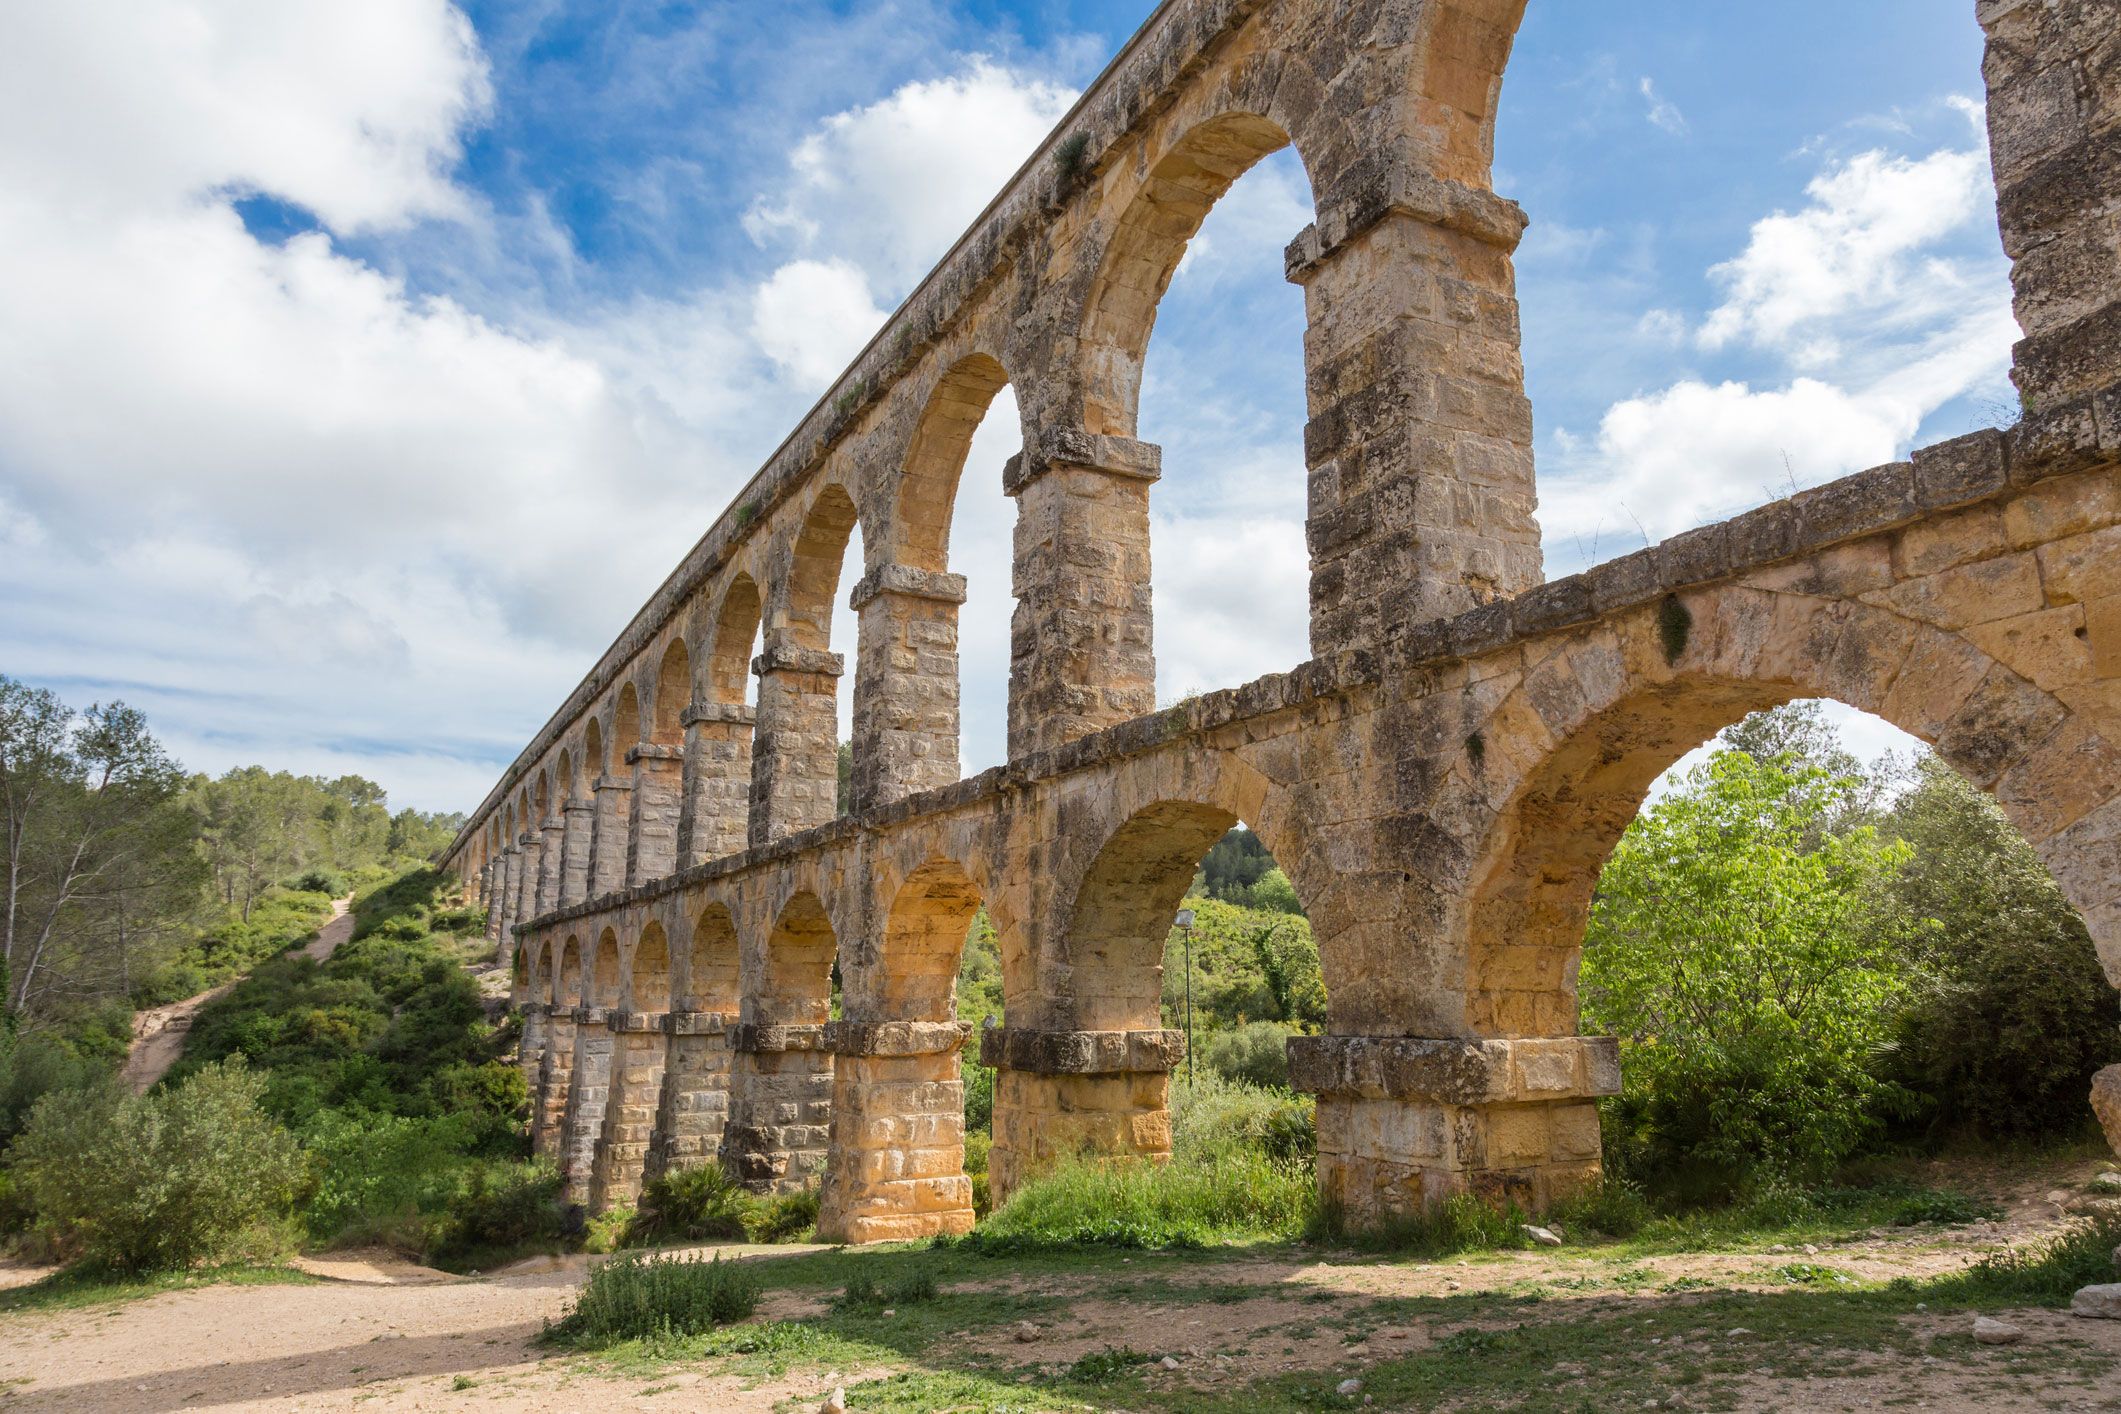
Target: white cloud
[(353, 111), (301, 513), (1663, 114), (1854, 251), (891, 185), (813, 316), (1874, 308)]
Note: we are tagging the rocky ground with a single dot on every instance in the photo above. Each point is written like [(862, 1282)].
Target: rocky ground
[(1801, 1319)]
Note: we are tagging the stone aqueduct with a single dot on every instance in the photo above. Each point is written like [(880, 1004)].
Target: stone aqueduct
[(1442, 780)]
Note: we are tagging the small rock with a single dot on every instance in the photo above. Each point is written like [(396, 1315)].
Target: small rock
[(1735, 1331), (1168, 1363), (2058, 1196), (889, 1312), (1922, 1305), (1989, 1331), (1455, 1285), (1348, 1387), (1540, 1236), (1024, 1378), (835, 1403), (2101, 1302), (1810, 1250), (1025, 1333), (1778, 1249)]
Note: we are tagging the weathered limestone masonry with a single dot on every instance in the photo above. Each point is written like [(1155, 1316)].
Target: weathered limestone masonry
[(1442, 782)]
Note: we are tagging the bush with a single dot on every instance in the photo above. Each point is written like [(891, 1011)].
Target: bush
[(787, 1217), (2048, 1273), (691, 1205), (636, 1297), (33, 1065), (1213, 1119), (329, 882), (161, 1182), (865, 1294), (1256, 1053), (500, 1210), (1123, 1204), (1612, 1206)]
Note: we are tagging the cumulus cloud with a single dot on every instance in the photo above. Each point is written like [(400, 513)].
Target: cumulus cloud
[(813, 316), (1854, 251), (892, 184), (1865, 312)]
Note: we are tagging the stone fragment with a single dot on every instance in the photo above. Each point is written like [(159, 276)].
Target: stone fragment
[(2106, 1104), (1541, 1236), (2099, 1302), (1026, 1333), (835, 1403), (1990, 1331), (1348, 1387)]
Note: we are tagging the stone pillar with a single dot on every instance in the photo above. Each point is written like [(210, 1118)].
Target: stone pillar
[(548, 1106), (530, 1054), (1419, 441), (577, 831), (780, 1106), (588, 1091), (638, 1048), (496, 889), (896, 1169), (527, 870), (711, 822), (905, 684), (2054, 120), (694, 1104), (1405, 1122), (652, 826), (1058, 1093), (795, 759), (554, 832), (497, 914), (1081, 648), (607, 841)]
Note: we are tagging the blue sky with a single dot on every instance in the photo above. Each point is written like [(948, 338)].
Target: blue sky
[(362, 367)]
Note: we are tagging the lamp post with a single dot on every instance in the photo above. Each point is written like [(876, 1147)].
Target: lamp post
[(1184, 923)]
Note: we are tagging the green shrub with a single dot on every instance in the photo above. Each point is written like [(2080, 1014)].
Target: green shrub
[(1612, 1206), (786, 1217), (865, 1294), (1213, 1119), (33, 1065), (690, 1205), (1242, 1197), (500, 1210), (1254, 1054), (637, 1297), (15, 1211), (329, 882), (381, 1178), (160, 1182)]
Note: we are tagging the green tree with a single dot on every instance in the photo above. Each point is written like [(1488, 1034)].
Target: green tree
[(2009, 1012), (1734, 950)]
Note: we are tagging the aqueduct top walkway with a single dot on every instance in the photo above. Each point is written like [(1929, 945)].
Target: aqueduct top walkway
[(1442, 781)]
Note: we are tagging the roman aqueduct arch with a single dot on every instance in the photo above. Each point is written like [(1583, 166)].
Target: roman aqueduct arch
[(1442, 780)]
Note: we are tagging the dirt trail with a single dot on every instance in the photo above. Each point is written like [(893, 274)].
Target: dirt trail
[(158, 1034)]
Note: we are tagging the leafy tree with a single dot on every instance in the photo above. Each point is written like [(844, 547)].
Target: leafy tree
[(97, 852), (1733, 948), (2009, 1012)]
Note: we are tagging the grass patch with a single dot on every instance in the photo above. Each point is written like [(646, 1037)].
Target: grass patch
[(77, 1287), (635, 1297), (1246, 1198)]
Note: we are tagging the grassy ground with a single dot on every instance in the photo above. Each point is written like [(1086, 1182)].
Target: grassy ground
[(74, 1288), (1709, 1313)]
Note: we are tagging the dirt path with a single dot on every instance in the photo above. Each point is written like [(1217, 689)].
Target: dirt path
[(158, 1034)]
